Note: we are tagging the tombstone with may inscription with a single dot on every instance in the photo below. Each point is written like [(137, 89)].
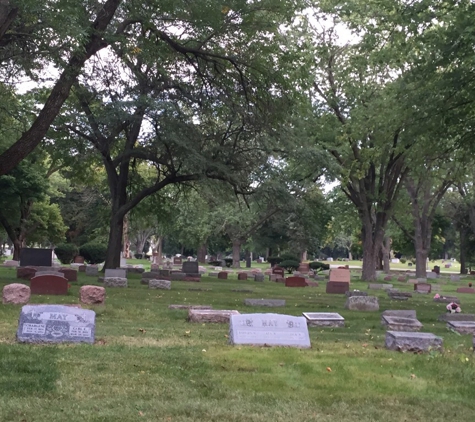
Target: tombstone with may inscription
[(269, 330), (56, 324)]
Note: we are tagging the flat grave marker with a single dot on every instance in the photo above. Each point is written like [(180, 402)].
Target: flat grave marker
[(265, 302), (423, 288), (395, 323), (462, 327), (92, 271), (469, 290), (213, 316), (362, 303), (121, 273), (324, 319), (456, 317), (56, 324), (269, 330), (412, 341)]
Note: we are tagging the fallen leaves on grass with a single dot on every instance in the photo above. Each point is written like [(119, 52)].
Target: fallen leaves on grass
[(142, 330), (329, 369)]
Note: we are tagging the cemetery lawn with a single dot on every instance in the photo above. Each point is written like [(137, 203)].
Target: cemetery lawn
[(149, 364)]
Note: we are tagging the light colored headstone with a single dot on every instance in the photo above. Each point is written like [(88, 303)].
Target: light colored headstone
[(92, 271), (324, 319), (123, 262), (56, 324), (11, 263), (431, 275), (376, 286), (362, 303), (454, 277), (264, 302), (395, 323), (350, 293), (462, 327), (340, 274), (16, 293), (115, 282), (121, 273), (213, 316), (159, 284), (269, 330), (401, 313), (411, 341)]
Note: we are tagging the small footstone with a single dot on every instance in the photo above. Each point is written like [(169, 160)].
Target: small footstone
[(264, 302), (203, 307), (351, 293), (92, 295), (394, 323), (242, 290), (160, 284), (462, 327), (115, 282), (324, 319), (258, 277), (399, 295), (447, 299), (213, 316), (412, 342), (16, 294), (409, 313), (456, 317), (362, 303)]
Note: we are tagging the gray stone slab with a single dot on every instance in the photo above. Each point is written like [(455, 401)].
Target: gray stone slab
[(456, 317), (242, 290), (220, 316), (395, 295), (377, 286), (454, 277), (351, 293), (362, 303), (431, 276), (190, 267), (205, 307), (160, 284), (269, 330), (120, 273), (178, 276), (150, 274), (447, 299), (412, 342), (56, 324), (401, 313), (115, 282), (92, 271), (264, 302), (258, 277), (395, 323), (324, 319), (462, 327)]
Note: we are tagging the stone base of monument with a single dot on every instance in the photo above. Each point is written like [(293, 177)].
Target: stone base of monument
[(69, 274), (295, 282), (203, 307), (394, 295), (177, 276), (351, 293), (376, 286), (259, 277), (324, 319), (192, 277), (338, 287), (466, 290), (456, 317), (160, 284), (269, 330), (115, 282), (362, 303), (49, 284), (447, 299), (412, 342), (56, 324), (16, 294), (92, 295), (394, 323), (264, 302), (25, 273), (212, 316), (135, 270), (462, 327)]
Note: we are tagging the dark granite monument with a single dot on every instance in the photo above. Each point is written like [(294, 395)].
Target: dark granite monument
[(36, 257)]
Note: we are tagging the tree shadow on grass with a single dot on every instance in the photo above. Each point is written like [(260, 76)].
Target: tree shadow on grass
[(27, 370)]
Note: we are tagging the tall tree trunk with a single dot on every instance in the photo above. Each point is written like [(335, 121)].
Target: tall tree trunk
[(350, 256), (237, 253), (372, 236), (463, 241), (202, 253), (125, 238), (268, 253), (114, 244), (17, 245), (386, 254), (160, 249)]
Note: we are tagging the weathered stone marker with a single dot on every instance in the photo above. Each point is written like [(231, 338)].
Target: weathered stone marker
[(56, 324), (203, 315), (339, 281), (362, 303), (324, 319), (269, 330), (412, 342), (160, 284), (395, 323), (264, 302), (206, 307), (16, 293), (462, 327)]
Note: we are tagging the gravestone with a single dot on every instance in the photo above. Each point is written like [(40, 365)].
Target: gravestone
[(295, 282), (324, 319), (431, 275), (177, 260), (205, 307), (401, 313), (115, 282), (462, 327), (69, 273), (339, 282), (15, 294), (223, 275), (376, 286), (304, 268), (160, 284), (25, 272), (412, 281), (264, 302), (56, 324), (351, 293), (190, 267), (466, 290), (79, 259), (82, 268), (269, 330), (362, 303), (92, 295), (454, 277), (177, 276), (446, 299), (242, 290), (242, 276), (277, 278), (401, 278), (49, 284), (36, 257), (258, 277), (395, 295), (423, 288), (11, 263), (395, 323), (404, 341), (121, 273), (212, 315), (92, 271), (456, 317)]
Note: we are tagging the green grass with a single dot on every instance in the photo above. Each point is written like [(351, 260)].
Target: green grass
[(149, 364)]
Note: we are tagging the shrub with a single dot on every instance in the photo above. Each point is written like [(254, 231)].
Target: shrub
[(402, 260), (319, 266), (228, 261), (93, 252), (66, 252), (290, 265), (215, 263), (273, 260), (289, 257)]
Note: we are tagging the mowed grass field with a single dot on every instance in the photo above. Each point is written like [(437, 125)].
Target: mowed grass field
[(150, 364)]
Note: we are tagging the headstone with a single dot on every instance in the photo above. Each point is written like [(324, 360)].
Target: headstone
[(304, 268), (190, 267), (223, 275), (16, 294), (115, 282), (25, 273), (324, 319), (56, 324), (264, 302), (447, 265), (330, 259), (337, 287), (295, 282), (49, 284), (412, 342), (177, 260), (213, 316), (376, 286), (277, 278), (160, 284), (82, 268), (401, 278), (423, 288), (79, 259), (421, 280), (11, 263), (399, 313), (311, 283), (269, 330), (279, 271), (394, 295), (177, 276), (36, 257), (242, 290), (92, 271), (92, 295), (120, 273), (351, 293), (412, 281), (454, 277), (242, 276), (340, 274), (258, 277), (150, 274), (203, 307), (446, 299), (466, 290), (456, 317), (436, 270), (362, 303), (395, 323), (431, 275), (69, 274), (395, 260), (462, 327)]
